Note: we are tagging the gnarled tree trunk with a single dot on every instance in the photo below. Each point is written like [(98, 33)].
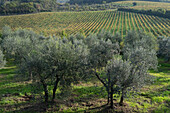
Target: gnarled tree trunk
[(111, 98), (122, 98), (45, 90), (55, 88)]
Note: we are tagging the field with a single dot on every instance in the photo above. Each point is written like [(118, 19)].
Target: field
[(85, 96), (88, 22), (144, 5)]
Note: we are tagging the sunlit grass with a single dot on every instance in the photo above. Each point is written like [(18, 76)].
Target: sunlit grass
[(151, 98)]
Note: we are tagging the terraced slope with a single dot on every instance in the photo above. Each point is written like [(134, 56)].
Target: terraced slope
[(73, 22)]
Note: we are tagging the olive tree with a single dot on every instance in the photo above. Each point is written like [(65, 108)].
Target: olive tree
[(130, 71), (101, 50), (164, 47), (19, 44), (52, 60), (68, 60), (2, 61), (57, 61), (140, 50), (115, 39), (116, 70)]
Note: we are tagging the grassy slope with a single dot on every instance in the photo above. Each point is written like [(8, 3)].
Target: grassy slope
[(89, 96)]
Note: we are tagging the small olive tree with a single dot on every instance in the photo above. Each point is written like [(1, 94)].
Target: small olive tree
[(19, 44), (68, 61), (164, 47), (140, 50), (57, 61), (116, 70), (2, 61), (130, 71), (101, 50)]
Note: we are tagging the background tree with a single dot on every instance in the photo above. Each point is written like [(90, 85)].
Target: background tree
[(68, 6), (104, 2), (2, 61), (164, 47), (101, 50), (140, 50), (117, 71), (131, 72), (19, 44), (134, 3)]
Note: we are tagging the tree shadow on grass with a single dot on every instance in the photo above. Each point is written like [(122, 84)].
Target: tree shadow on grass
[(116, 108), (36, 107), (26, 107), (73, 102), (8, 70), (8, 75), (101, 109)]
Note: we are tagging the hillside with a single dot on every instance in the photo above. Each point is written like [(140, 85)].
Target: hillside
[(83, 2), (88, 22), (9, 7), (15, 7), (144, 5)]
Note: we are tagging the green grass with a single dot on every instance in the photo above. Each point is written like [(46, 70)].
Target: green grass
[(86, 96)]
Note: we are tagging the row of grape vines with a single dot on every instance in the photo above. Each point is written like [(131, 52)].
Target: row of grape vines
[(89, 22)]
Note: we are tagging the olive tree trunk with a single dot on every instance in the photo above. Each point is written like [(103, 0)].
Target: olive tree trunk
[(45, 90), (111, 98), (122, 98), (55, 88)]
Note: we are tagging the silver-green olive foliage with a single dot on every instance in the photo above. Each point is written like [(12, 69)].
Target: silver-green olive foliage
[(57, 61), (164, 47), (66, 58), (2, 60), (18, 44), (140, 51), (130, 71), (117, 72), (100, 50), (53, 60), (62, 62), (106, 35)]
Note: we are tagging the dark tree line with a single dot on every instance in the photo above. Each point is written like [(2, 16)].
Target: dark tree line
[(34, 6), (158, 12), (8, 7), (83, 2)]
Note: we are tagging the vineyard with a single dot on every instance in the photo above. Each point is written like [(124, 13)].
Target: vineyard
[(88, 22)]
